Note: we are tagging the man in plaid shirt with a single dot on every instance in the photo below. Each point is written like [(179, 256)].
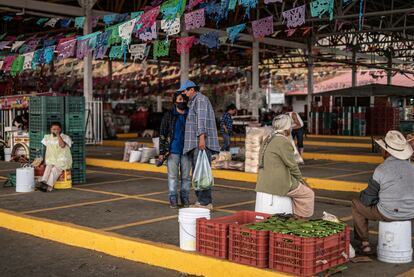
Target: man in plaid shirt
[(200, 133), (226, 124)]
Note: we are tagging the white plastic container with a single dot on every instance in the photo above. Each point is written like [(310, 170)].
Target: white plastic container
[(7, 154), (187, 218), (394, 242), (25, 179), (273, 204), (156, 142), (147, 154), (135, 156)]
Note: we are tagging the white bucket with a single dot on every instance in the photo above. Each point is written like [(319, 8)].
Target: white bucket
[(135, 156), (187, 218), (25, 179), (156, 142), (273, 204), (7, 154), (147, 154), (394, 242)]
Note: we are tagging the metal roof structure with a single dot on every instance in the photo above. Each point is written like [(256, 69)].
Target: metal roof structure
[(370, 90)]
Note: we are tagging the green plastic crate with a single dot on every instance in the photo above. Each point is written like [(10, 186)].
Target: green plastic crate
[(42, 105), (74, 104), (74, 122), (41, 123)]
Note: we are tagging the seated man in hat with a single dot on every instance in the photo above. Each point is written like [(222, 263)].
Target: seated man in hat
[(58, 157), (390, 192)]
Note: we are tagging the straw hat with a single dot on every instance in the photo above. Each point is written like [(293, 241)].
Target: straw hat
[(396, 144), (282, 123)]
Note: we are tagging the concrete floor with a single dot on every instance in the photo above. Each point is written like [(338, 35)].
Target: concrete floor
[(135, 204)]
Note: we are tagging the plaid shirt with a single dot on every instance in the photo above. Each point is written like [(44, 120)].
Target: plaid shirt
[(201, 120), (227, 121)]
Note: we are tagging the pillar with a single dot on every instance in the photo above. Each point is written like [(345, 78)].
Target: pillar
[(184, 63), (354, 68), (389, 71), (87, 61), (237, 96), (255, 78), (310, 77)]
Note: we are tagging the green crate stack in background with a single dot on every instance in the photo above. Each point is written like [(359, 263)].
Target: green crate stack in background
[(75, 128), (43, 111)]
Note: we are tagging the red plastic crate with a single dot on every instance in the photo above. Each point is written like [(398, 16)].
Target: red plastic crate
[(249, 247), (213, 234), (307, 256)]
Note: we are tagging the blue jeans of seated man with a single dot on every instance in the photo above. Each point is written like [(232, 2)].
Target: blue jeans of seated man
[(226, 141), (204, 197), (179, 167)]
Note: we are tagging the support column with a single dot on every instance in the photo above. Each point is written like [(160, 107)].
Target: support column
[(87, 61), (310, 77), (389, 71), (237, 96), (255, 78), (354, 68), (184, 63)]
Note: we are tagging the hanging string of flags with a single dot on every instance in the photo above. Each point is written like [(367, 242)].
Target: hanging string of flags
[(117, 36)]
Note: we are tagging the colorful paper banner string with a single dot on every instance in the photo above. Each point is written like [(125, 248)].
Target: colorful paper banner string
[(263, 27), (272, 1), (294, 17), (116, 52), (125, 31), (114, 38), (3, 44), (248, 5), (211, 40), (48, 54), (109, 19), (36, 57), (149, 34), (94, 21), (52, 22), (49, 42), (66, 49), (8, 61), (79, 22), (121, 17), (7, 18), (138, 51), (1, 65), (361, 14), (28, 57), (233, 32), (172, 9), (42, 21), (193, 3), (184, 44), (148, 18), (161, 48), (171, 27), (346, 2), (290, 32), (215, 11), (136, 15), (232, 5), (223, 40), (100, 52), (16, 45), (17, 66), (320, 7), (29, 46), (82, 50), (194, 20), (65, 22), (103, 38)]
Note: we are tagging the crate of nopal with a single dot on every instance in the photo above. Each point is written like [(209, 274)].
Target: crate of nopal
[(248, 245), (306, 248), (213, 234)]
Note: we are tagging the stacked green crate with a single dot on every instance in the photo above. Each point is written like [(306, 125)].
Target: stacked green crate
[(359, 123), (43, 111), (75, 128)]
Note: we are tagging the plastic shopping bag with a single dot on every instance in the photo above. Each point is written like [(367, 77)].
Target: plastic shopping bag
[(202, 175)]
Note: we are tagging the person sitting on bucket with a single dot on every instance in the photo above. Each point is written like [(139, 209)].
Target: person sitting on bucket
[(390, 192), (279, 173), (58, 156)]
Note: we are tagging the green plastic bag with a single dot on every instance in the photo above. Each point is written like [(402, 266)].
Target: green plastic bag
[(202, 175)]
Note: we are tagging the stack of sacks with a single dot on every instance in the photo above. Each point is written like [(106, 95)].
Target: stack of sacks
[(129, 146), (254, 140), (220, 159)]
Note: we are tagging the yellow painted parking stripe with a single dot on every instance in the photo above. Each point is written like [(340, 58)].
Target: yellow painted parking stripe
[(339, 137), (339, 144), (110, 182), (121, 143), (14, 194), (351, 174), (139, 223), (343, 158), (3, 178), (316, 183), (127, 135), (155, 254)]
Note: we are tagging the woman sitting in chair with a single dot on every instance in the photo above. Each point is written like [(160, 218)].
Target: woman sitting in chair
[(279, 173)]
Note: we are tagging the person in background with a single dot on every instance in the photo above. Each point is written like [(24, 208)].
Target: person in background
[(57, 158), (22, 120), (390, 192), (171, 148), (226, 126), (410, 139), (200, 133), (297, 129), (279, 173)]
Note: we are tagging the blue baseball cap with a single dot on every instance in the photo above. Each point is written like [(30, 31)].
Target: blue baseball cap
[(187, 85)]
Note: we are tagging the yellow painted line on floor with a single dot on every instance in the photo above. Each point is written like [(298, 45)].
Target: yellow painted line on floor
[(343, 158), (351, 174), (14, 194), (75, 205), (110, 182), (338, 144), (3, 178), (237, 204), (318, 165), (409, 273), (334, 199), (152, 193), (139, 223), (121, 143), (339, 137), (316, 183), (155, 254), (127, 135)]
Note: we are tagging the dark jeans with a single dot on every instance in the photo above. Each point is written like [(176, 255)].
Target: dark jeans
[(204, 197), (298, 134), (226, 141)]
